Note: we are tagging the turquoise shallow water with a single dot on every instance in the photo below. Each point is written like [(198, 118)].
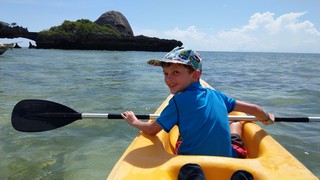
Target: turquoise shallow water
[(285, 84)]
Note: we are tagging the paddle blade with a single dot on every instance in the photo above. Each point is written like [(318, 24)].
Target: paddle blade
[(39, 115)]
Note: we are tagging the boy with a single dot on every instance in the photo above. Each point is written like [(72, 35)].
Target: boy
[(200, 113)]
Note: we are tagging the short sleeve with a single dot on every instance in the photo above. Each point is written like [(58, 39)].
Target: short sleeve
[(229, 102), (168, 117)]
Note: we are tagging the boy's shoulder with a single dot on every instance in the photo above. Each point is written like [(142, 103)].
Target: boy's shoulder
[(195, 91)]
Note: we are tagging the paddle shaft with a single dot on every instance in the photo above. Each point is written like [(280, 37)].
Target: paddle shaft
[(117, 116), (231, 118)]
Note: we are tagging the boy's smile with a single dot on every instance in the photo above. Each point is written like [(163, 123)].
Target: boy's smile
[(178, 78)]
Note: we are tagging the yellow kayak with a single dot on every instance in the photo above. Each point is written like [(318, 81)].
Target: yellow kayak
[(152, 157)]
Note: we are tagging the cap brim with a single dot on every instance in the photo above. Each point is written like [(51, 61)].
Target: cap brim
[(155, 62)]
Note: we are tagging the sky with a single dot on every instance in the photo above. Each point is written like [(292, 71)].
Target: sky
[(207, 25)]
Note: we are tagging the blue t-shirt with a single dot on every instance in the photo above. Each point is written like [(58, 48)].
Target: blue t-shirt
[(202, 117)]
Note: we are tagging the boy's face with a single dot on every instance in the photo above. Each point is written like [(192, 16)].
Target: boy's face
[(178, 77)]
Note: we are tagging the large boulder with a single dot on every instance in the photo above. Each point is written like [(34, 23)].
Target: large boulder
[(116, 20)]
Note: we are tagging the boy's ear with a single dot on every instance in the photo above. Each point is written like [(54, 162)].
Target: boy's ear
[(196, 74)]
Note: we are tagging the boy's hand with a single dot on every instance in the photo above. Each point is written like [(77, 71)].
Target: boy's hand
[(269, 120), (129, 117), (149, 127)]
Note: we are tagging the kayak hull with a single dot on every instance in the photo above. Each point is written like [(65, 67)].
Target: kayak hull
[(151, 157)]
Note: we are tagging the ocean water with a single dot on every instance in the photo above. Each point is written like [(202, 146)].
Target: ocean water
[(285, 84)]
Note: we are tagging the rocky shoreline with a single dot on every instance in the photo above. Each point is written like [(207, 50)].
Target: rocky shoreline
[(136, 43)]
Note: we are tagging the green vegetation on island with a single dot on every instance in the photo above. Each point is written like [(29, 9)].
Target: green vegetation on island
[(82, 29)]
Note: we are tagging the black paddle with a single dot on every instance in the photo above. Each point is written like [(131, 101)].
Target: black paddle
[(40, 115), (34, 115)]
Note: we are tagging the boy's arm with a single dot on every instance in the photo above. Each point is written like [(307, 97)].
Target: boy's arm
[(255, 110), (151, 128)]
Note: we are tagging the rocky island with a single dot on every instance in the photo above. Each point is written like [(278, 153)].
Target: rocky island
[(111, 31)]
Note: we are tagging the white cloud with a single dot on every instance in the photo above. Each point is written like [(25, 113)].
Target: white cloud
[(263, 32), (191, 37)]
